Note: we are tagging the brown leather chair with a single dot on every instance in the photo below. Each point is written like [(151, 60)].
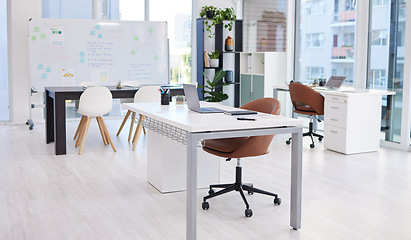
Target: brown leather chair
[(307, 101), (242, 147)]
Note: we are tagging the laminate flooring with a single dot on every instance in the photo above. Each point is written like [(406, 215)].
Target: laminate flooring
[(104, 195)]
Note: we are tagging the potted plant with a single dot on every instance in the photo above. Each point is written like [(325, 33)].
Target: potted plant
[(214, 58), (210, 89), (218, 17)]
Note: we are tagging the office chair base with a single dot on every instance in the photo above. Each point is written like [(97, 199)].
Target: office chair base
[(239, 187), (310, 133)]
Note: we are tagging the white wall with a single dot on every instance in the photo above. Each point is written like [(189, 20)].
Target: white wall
[(19, 12)]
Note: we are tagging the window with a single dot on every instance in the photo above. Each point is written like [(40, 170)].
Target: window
[(328, 42), (315, 73), (131, 10), (315, 40), (379, 38), (177, 13), (379, 78), (4, 80), (68, 9), (316, 7), (377, 3)]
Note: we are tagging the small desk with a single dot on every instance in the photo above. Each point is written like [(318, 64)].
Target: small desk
[(193, 127), (56, 111)]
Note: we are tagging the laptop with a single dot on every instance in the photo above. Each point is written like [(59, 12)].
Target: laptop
[(335, 82), (193, 103)]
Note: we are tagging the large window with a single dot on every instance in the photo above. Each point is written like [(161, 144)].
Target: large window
[(328, 40), (4, 81), (386, 61), (132, 10), (177, 14), (68, 9)]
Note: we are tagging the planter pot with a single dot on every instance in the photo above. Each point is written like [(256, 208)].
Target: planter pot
[(214, 62), (210, 14)]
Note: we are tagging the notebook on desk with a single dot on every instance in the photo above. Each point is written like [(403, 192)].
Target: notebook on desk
[(193, 103)]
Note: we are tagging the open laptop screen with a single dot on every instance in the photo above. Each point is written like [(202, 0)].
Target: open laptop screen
[(335, 81)]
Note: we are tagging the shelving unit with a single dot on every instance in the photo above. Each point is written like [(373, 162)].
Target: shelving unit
[(219, 45)]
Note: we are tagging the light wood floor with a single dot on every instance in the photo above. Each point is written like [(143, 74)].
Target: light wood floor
[(104, 195)]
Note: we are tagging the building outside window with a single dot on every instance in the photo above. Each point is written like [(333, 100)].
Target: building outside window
[(315, 73), (379, 38), (327, 39), (316, 7)]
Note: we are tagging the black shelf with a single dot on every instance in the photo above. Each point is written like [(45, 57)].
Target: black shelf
[(219, 45)]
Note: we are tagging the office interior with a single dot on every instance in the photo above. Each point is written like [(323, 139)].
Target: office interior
[(103, 194)]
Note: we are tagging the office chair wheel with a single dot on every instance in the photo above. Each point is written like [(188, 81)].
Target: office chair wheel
[(320, 139), (277, 201), (288, 142), (250, 193), (205, 205), (248, 212), (312, 145), (211, 191)]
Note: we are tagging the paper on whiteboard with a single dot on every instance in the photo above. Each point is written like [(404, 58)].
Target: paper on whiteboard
[(68, 77), (99, 75), (56, 37)]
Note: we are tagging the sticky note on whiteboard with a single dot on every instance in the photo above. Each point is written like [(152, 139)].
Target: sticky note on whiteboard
[(40, 66), (93, 33), (97, 27), (44, 76), (100, 35)]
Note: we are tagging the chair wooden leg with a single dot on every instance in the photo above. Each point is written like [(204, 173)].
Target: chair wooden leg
[(133, 118), (82, 121), (124, 121), (107, 134), (144, 130), (103, 135), (81, 131), (138, 131), (84, 135)]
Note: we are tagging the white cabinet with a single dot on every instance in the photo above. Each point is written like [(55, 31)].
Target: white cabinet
[(260, 72), (352, 122), (167, 164)]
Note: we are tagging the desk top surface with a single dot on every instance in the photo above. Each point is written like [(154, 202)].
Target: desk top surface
[(180, 116), (343, 91)]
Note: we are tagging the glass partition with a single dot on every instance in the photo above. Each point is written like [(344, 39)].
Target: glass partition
[(4, 79)]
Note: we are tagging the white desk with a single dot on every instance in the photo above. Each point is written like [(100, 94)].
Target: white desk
[(193, 127), (352, 119)]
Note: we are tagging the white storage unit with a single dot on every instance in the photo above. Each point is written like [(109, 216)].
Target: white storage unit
[(352, 122), (167, 164)]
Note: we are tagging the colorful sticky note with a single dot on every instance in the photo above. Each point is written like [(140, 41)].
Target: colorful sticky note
[(92, 33), (97, 27), (81, 54), (155, 57), (37, 29), (44, 76), (40, 66), (33, 37), (135, 38), (100, 35), (82, 60), (43, 36), (150, 30), (133, 52), (48, 69)]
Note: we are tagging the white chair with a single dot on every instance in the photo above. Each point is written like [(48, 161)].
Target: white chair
[(144, 94), (94, 102)]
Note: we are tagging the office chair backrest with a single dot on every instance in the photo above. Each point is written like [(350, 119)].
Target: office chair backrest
[(148, 94), (245, 146), (306, 100), (95, 102)]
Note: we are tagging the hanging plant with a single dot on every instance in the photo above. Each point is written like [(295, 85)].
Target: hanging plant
[(218, 16)]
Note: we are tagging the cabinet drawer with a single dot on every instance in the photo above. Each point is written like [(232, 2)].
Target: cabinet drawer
[(335, 138), (335, 108), (337, 120), (336, 98)]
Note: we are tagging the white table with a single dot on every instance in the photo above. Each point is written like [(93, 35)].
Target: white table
[(196, 126)]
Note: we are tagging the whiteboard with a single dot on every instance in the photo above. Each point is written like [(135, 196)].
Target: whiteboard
[(66, 52)]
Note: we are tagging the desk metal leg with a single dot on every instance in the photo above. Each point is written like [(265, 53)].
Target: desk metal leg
[(191, 214), (49, 118), (60, 124), (296, 179)]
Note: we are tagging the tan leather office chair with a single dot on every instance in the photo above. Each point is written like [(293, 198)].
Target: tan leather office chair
[(242, 147), (307, 101)]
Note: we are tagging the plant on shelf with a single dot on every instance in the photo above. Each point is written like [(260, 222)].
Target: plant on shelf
[(214, 58), (218, 17), (211, 87)]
